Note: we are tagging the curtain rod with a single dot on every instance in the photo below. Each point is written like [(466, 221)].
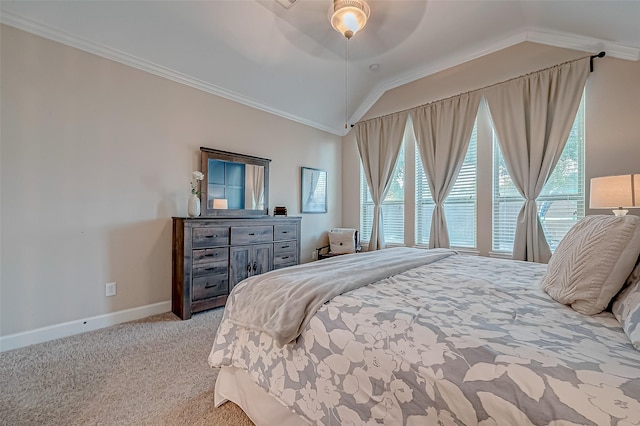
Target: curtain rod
[(591, 58)]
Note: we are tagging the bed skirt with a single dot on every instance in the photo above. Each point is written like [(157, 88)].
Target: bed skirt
[(235, 385)]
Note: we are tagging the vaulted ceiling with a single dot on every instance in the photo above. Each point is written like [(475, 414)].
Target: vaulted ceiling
[(291, 62)]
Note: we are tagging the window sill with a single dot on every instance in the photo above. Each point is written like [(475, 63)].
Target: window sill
[(463, 250), (466, 251), (501, 254), (388, 245)]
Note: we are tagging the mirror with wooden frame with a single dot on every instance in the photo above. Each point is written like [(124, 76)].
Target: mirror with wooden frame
[(234, 184)]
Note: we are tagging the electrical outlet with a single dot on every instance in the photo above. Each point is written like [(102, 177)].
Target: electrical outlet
[(110, 289)]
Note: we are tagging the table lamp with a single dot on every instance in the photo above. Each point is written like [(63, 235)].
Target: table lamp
[(615, 192), (220, 203)]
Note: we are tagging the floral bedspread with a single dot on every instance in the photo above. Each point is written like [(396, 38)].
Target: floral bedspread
[(463, 341)]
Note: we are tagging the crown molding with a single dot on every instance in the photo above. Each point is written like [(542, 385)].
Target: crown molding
[(98, 49), (584, 44), (535, 35)]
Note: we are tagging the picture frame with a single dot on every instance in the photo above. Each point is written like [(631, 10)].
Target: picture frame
[(313, 190)]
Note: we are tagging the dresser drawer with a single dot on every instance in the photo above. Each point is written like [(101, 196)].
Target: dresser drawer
[(284, 232), (251, 234), (212, 268), (210, 286), (210, 237), (285, 247), (285, 259), (210, 255)]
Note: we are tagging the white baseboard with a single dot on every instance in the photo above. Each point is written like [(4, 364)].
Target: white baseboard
[(52, 332)]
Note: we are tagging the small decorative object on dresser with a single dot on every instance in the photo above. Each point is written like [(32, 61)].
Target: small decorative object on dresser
[(193, 206), (279, 211), (213, 254)]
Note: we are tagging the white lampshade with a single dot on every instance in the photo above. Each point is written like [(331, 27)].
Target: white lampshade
[(220, 203), (349, 16), (615, 192)]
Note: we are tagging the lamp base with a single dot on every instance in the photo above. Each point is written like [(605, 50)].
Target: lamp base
[(620, 212)]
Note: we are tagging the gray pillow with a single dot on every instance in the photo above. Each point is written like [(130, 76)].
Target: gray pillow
[(626, 307), (592, 261)]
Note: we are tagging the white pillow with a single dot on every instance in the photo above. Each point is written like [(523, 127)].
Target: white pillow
[(342, 241), (635, 275), (626, 307), (593, 261)]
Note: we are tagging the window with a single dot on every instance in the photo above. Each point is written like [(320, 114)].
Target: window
[(483, 205), (392, 206), (460, 205), (561, 203)]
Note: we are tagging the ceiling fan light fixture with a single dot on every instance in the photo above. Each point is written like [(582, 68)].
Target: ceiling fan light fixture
[(349, 16)]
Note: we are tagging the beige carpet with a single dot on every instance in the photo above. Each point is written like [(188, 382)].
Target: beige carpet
[(148, 372)]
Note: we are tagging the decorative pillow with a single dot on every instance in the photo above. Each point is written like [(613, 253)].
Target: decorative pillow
[(626, 307), (342, 240), (635, 275), (592, 262)]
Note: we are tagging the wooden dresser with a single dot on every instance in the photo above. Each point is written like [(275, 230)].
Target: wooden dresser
[(213, 254)]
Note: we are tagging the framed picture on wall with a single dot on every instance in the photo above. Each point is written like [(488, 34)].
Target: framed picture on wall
[(313, 184)]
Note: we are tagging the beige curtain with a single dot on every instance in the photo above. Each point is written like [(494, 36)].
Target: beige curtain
[(533, 116), (379, 141), (255, 178), (443, 130)]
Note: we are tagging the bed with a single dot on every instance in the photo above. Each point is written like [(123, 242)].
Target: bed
[(453, 339)]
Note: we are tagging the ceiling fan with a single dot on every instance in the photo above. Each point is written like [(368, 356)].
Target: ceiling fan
[(346, 16), (388, 25)]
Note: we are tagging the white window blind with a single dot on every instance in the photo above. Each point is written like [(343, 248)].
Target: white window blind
[(392, 206), (460, 205), (561, 203)]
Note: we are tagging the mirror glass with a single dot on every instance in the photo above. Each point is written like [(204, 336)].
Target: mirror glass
[(234, 184), (242, 185)]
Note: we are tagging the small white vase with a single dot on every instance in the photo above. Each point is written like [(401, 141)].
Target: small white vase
[(193, 207)]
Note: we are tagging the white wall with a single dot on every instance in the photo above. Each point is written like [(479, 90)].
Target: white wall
[(96, 157), (612, 109)]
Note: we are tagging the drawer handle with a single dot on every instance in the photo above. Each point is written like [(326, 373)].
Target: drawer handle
[(285, 232), (209, 255), (210, 269), (211, 236), (285, 257), (255, 266), (252, 233), (210, 285), (284, 246)]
